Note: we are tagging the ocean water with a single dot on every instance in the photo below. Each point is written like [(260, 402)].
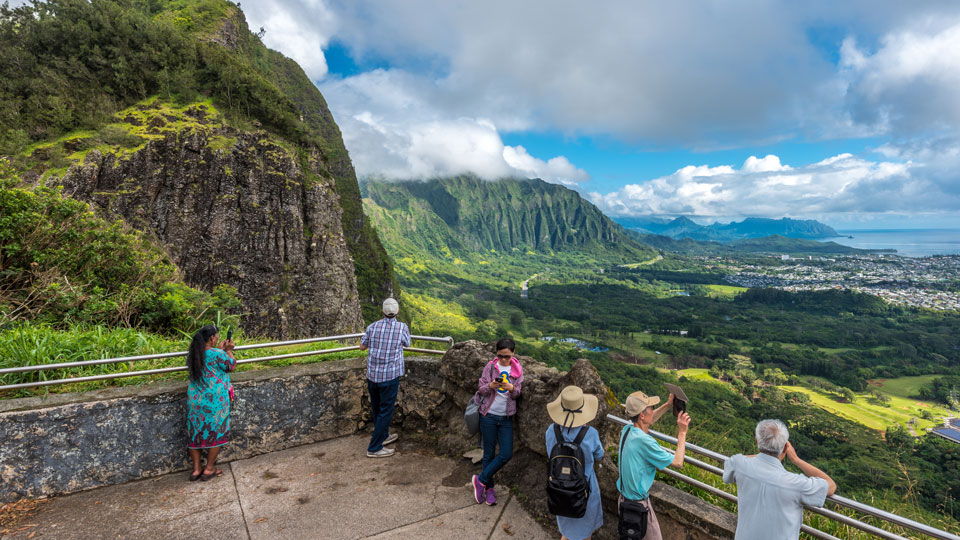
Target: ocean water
[(907, 242)]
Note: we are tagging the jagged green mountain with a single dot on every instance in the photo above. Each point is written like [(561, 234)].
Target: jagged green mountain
[(684, 227), (465, 214), (172, 116)]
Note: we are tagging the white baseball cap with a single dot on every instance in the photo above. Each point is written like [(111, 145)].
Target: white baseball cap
[(390, 307)]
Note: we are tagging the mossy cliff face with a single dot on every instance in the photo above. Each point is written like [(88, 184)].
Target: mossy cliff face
[(230, 206), (111, 55)]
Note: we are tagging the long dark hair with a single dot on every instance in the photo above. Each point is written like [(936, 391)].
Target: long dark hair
[(198, 351)]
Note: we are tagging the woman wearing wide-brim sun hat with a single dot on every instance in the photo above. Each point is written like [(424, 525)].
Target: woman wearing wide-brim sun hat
[(571, 411)]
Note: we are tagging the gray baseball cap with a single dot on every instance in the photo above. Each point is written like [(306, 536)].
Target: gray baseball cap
[(390, 307)]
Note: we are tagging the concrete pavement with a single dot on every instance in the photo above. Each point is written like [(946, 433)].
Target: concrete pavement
[(329, 490)]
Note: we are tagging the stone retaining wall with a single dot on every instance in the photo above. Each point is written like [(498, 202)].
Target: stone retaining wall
[(70, 442)]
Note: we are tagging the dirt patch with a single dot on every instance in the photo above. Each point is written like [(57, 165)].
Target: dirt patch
[(303, 499), (628, 359), (270, 475), (319, 455), (404, 478), (460, 475), (277, 489)]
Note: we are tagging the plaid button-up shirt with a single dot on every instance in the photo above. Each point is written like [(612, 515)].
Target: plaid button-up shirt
[(386, 339)]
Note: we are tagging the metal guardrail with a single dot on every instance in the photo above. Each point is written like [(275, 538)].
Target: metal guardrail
[(131, 359), (836, 499)]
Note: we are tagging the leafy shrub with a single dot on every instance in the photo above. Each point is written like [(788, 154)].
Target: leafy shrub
[(61, 263)]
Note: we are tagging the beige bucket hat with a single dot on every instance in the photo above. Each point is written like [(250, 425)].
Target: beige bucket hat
[(573, 408)]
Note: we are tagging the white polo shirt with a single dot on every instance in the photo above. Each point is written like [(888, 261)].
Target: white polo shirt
[(770, 498)]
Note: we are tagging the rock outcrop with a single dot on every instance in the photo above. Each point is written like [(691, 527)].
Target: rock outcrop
[(233, 207)]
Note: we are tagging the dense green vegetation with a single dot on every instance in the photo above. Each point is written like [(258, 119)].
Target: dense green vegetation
[(67, 66), (943, 389), (873, 338), (63, 265)]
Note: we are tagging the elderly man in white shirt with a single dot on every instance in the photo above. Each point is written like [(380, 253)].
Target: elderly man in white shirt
[(770, 498)]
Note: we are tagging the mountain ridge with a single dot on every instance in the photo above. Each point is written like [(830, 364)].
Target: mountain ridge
[(465, 214), (753, 227)]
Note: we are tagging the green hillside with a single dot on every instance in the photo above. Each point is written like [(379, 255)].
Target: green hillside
[(466, 214)]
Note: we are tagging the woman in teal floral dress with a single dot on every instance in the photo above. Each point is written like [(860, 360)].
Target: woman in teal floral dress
[(210, 362)]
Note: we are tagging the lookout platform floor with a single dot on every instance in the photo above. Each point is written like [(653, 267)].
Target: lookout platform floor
[(327, 490)]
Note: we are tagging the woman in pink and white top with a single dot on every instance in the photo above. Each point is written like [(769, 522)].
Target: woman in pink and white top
[(497, 393)]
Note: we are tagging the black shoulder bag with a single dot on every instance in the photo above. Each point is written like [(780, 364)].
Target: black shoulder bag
[(632, 524)]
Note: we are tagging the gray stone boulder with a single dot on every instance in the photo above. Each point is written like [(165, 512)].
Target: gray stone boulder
[(526, 472)]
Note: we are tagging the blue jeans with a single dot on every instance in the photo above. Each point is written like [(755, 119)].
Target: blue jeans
[(495, 429), (383, 397)]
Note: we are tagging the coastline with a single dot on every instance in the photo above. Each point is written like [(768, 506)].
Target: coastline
[(906, 242)]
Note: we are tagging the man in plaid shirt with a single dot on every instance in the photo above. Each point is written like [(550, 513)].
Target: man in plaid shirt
[(385, 339)]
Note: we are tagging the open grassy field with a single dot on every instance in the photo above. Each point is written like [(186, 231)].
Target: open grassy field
[(644, 263), (698, 374), (862, 410), (724, 291), (633, 344), (872, 415), (904, 387)]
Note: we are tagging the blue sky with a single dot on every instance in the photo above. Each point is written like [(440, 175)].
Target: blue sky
[(715, 110)]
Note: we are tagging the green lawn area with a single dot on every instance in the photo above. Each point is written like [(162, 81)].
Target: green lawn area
[(698, 374), (644, 263), (903, 387), (724, 291), (874, 416)]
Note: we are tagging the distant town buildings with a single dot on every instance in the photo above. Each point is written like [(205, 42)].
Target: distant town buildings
[(919, 282)]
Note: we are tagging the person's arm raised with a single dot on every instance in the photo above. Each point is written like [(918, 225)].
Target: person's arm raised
[(683, 424), (658, 412), (809, 469)]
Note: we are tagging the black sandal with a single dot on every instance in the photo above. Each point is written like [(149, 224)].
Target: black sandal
[(195, 477), (204, 477)]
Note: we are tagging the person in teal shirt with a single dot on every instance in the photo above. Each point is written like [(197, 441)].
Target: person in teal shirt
[(641, 456)]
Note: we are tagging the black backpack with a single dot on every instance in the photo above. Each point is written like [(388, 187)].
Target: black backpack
[(567, 485)]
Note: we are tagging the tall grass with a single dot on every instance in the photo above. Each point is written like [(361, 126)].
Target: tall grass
[(29, 344)]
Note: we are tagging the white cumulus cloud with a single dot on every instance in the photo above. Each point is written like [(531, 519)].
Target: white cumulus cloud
[(911, 83), (394, 130), (300, 29), (838, 185)]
